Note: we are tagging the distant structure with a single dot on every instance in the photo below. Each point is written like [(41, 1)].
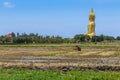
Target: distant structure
[(9, 35), (91, 25)]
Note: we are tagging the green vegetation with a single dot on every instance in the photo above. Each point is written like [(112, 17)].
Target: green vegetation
[(85, 38), (57, 75), (36, 38)]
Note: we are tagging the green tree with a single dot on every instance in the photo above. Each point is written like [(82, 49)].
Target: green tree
[(118, 38)]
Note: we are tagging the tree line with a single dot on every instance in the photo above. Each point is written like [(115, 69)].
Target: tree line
[(36, 38)]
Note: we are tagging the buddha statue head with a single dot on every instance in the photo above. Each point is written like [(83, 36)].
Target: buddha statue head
[(92, 15)]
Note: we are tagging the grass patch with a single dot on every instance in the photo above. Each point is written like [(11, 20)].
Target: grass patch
[(83, 45), (57, 75), (54, 53)]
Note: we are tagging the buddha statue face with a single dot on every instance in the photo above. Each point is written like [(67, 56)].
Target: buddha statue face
[(92, 18)]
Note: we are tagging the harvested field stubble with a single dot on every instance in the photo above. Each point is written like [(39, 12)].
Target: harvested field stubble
[(96, 56), (59, 66)]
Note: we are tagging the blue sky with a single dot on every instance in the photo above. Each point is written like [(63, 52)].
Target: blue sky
[(59, 17)]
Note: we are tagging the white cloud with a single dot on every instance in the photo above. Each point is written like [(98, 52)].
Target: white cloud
[(8, 5)]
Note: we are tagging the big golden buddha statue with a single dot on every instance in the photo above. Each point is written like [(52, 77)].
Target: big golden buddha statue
[(91, 25)]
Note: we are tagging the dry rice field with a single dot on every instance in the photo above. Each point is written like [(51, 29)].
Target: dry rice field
[(61, 56)]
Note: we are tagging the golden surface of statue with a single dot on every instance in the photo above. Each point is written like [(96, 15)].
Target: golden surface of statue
[(91, 25)]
